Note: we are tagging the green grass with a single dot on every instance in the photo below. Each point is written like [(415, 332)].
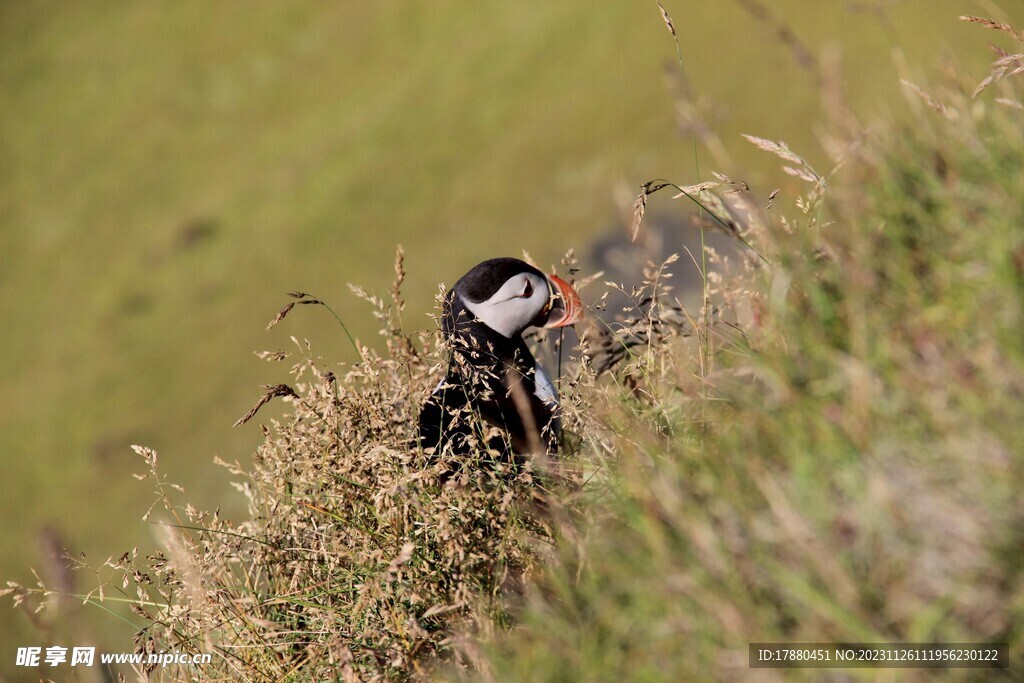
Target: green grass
[(847, 469), (852, 471), (313, 141)]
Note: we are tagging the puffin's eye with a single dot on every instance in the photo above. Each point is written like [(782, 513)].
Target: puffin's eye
[(528, 290)]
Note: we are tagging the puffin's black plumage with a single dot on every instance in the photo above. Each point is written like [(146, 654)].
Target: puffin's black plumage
[(492, 377)]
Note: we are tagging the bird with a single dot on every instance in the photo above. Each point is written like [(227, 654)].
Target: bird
[(492, 379)]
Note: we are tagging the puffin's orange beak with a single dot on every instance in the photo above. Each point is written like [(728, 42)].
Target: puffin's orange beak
[(565, 305)]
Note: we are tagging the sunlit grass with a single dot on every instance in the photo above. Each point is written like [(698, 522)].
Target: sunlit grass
[(311, 141)]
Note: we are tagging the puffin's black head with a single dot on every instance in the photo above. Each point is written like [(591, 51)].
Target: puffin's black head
[(507, 296)]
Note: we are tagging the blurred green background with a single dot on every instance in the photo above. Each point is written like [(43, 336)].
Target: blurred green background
[(169, 170)]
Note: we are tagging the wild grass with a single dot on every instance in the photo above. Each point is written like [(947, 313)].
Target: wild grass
[(847, 469), (851, 470), (292, 147)]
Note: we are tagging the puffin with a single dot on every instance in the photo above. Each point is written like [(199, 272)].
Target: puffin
[(494, 396)]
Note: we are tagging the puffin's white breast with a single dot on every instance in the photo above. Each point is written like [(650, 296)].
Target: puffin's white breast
[(543, 387)]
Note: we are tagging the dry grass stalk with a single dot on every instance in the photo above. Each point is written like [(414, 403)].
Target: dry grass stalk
[(302, 298), (667, 19), (1007, 64), (640, 204), (783, 32), (697, 189), (993, 24), (271, 391), (1010, 65), (928, 99), (639, 208), (810, 202), (779, 149)]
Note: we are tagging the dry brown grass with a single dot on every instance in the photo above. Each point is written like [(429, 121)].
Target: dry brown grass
[(1006, 64), (355, 560)]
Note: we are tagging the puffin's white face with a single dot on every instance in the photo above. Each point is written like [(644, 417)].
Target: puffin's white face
[(515, 305)]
